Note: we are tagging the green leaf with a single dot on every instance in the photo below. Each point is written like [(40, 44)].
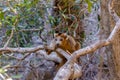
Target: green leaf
[(8, 32), (16, 76), (34, 2), (0, 25), (2, 70), (1, 15), (89, 5), (13, 18)]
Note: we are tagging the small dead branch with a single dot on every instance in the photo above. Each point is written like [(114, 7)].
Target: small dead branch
[(40, 32), (14, 25), (26, 55), (11, 35), (28, 30)]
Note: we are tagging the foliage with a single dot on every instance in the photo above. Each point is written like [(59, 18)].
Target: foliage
[(89, 5), (29, 14), (26, 14), (68, 14)]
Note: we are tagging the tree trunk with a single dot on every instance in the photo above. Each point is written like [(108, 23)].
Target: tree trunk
[(116, 43), (107, 23)]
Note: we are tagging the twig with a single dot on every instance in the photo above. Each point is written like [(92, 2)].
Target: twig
[(41, 36), (11, 35), (15, 23), (27, 30), (25, 56)]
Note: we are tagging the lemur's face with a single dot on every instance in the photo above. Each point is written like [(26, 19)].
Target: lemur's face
[(60, 38)]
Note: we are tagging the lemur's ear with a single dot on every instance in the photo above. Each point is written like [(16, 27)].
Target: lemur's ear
[(57, 34), (64, 35)]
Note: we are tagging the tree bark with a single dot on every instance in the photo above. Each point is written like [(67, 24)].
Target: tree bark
[(116, 43), (105, 25)]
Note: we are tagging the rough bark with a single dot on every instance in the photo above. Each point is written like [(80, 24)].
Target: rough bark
[(116, 43), (106, 52)]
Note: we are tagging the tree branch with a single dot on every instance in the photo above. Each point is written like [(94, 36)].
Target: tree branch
[(21, 50), (11, 35), (28, 30)]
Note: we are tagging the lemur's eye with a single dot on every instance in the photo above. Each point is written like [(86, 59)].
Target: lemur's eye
[(61, 39)]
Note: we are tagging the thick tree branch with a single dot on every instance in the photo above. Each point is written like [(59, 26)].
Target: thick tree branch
[(21, 50), (62, 52), (115, 31)]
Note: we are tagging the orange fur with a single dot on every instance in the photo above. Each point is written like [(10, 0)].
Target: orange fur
[(65, 42)]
